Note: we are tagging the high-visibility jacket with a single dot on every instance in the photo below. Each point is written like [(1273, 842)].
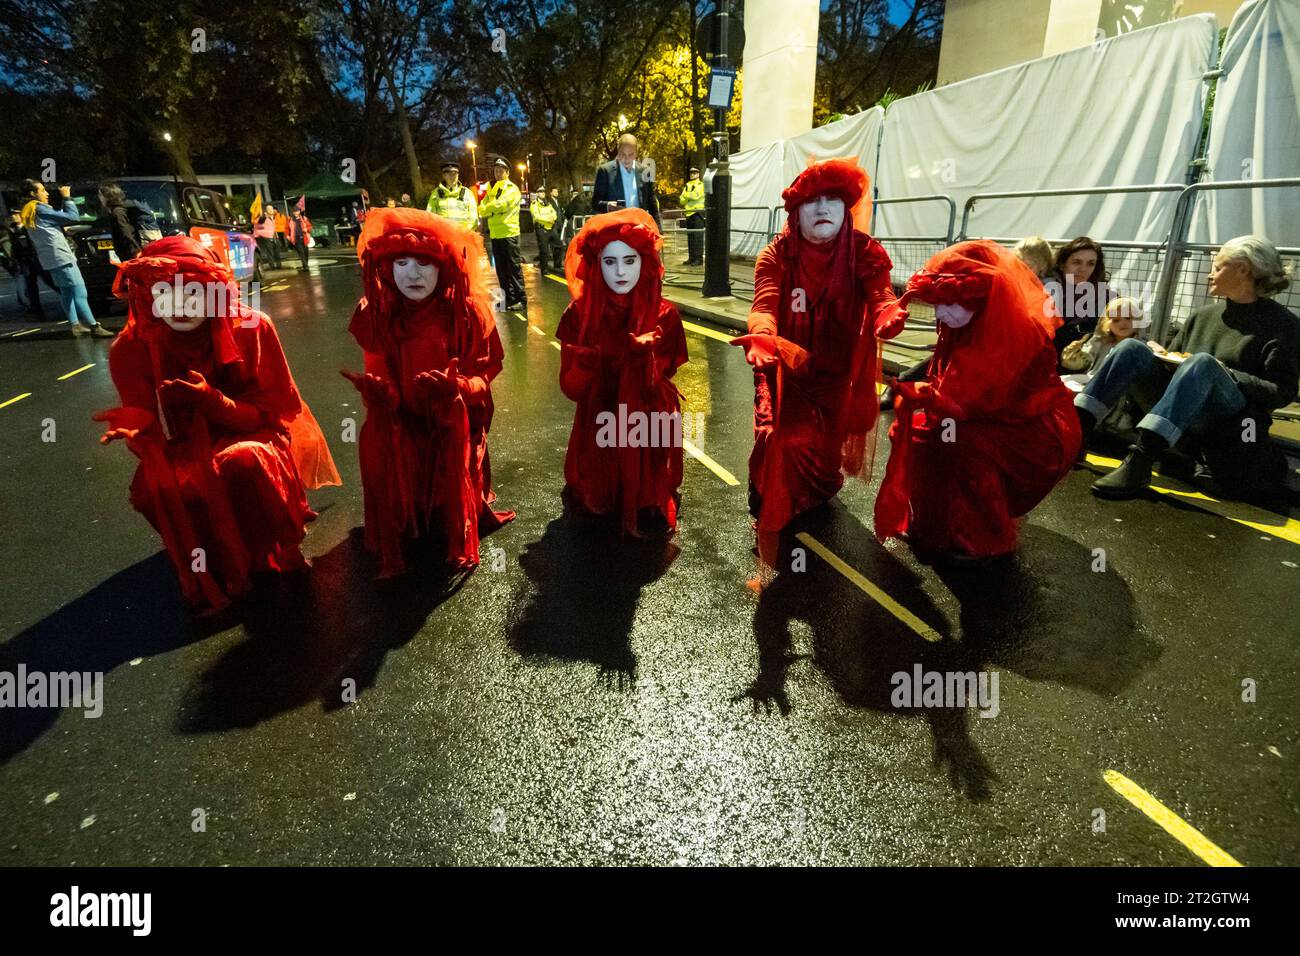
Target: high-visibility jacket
[(544, 213), (457, 204), (501, 206), (693, 196)]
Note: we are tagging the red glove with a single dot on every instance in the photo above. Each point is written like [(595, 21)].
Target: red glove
[(760, 348), (914, 394), (374, 389), (890, 319), (440, 386), (212, 402), (124, 423), (638, 344)]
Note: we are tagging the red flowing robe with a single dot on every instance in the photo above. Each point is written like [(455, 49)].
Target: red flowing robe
[(1001, 431), (814, 413), (621, 478), (226, 503), (425, 467)]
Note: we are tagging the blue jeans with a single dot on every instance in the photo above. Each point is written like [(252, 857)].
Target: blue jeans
[(1199, 392), (72, 290)]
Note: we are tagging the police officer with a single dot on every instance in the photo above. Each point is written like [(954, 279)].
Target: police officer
[(544, 218), (501, 207), (453, 201), (693, 207)]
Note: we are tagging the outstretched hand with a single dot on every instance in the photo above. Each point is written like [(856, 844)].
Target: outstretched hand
[(891, 320), (438, 385), (915, 394), (193, 389), (123, 423), (374, 389), (645, 342), (760, 349)]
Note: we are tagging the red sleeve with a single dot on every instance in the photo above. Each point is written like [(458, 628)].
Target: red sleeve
[(671, 350), (267, 381), (766, 307)]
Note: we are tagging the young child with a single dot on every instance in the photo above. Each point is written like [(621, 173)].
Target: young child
[(1084, 356)]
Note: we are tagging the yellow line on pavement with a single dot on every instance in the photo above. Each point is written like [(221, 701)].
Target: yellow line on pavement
[(1268, 522), (556, 345), (563, 282), (535, 329), (76, 371), (709, 463), (873, 592), (25, 332), (16, 398), (1172, 823), (709, 333)]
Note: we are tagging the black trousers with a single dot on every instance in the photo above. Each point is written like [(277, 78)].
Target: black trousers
[(549, 256), (695, 237), (268, 249), (505, 254), (301, 246)]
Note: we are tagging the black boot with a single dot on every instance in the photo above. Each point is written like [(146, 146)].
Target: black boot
[(1133, 476), (1086, 424)]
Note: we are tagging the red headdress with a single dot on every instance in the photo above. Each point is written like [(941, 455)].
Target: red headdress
[(978, 365), (843, 178), (170, 259), (587, 286), (385, 314)]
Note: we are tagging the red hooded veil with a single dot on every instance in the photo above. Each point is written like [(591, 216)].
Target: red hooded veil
[(235, 493), (993, 429), (613, 380), (826, 305), (425, 466)]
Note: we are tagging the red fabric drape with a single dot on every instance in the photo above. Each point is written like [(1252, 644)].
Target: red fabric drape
[(815, 413), (609, 380), (227, 502), (995, 430), (425, 467)]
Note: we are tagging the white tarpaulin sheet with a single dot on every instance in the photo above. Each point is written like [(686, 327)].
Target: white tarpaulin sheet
[(757, 178), (1126, 110), (759, 175), (1255, 128)]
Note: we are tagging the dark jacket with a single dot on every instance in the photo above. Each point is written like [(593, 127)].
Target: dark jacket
[(609, 188), (1259, 343), (126, 243)]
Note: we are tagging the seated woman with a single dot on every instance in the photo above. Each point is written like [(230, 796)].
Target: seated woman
[(621, 344), (226, 444), (1232, 363), (822, 301), (1078, 286), (989, 432), (431, 348), (1083, 357)]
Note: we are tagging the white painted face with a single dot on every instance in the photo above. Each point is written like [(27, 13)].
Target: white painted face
[(953, 314), (415, 277), (620, 264), (820, 218), (182, 305)]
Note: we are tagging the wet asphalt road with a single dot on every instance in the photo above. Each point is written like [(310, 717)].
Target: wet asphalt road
[(587, 703)]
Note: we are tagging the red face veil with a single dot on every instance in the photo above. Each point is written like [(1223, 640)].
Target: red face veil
[(586, 284)]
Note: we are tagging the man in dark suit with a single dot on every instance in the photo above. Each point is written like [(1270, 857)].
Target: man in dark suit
[(623, 182)]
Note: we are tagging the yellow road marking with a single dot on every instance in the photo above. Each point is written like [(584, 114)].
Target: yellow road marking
[(873, 592), (563, 282), (709, 333), (709, 463), (1282, 526), (76, 371), (1172, 823), (556, 345), (16, 398), (535, 329), (24, 332)]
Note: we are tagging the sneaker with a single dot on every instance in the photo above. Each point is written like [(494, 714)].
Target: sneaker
[(99, 332), (80, 329)]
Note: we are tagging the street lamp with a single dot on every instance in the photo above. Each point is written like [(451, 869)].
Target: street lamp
[(473, 157), (523, 174)]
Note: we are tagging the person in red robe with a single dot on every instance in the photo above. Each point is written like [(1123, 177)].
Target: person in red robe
[(431, 348), (991, 429), (621, 344), (822, 302), (227, 446)]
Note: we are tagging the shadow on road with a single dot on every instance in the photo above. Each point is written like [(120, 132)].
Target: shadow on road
[(137, 612), (586, 584), (1042, 615)]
